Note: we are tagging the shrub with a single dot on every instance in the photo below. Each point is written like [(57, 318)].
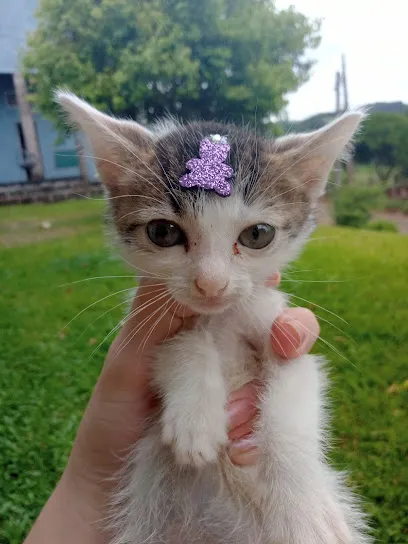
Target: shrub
[(352, 204), (382, 225)]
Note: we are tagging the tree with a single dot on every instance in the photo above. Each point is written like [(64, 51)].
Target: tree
[(384, 142), (225, 59)]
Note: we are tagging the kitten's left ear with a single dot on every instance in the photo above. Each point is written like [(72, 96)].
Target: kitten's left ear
[(311, 156), (116, 143)]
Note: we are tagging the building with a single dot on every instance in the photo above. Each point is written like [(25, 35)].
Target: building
[(29, 151)]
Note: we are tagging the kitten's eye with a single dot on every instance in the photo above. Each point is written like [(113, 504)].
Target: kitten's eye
[(257, 236), (164, 233)]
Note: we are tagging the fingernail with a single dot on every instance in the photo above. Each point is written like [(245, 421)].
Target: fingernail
[(244, 452), (244, 444), (238, 412), (295, 333)]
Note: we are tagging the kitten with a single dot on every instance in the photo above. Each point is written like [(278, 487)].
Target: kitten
[(214, 253)]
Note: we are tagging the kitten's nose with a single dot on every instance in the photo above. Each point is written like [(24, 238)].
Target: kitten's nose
[(210, 287)]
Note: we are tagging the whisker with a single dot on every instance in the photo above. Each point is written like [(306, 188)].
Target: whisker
[(86, 197), (286, 278), (144, 306), (94, 157), (127, 301), (91, 279), (282, 330), (317, 306), (329, 345), (93, 304), (150, 332), (133, 333), (172, 317), (126, 319), (320, 318)]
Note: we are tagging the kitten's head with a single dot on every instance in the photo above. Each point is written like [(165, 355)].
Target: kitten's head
[(210, 251)]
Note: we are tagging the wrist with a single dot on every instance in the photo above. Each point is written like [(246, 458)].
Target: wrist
[(70, 515)]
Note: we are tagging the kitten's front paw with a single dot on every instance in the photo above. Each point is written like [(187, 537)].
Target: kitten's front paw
[(196, 438)]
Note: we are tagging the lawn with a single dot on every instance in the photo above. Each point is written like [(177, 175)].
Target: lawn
[(47, 372)]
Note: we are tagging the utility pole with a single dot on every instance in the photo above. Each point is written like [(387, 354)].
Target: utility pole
[(341, 91), (344, 82), (350, 162), (337, 91), (337, 85)]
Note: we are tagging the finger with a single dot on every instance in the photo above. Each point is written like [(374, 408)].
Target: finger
[(240, 412), (242, 409), (249, 390), (245, 429), (294, 332), (274, 280), (244, 452)]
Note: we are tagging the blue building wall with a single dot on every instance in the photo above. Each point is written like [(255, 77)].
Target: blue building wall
[(54, 153), (57, 153), (59, 157), (16, 19), (10, 149)]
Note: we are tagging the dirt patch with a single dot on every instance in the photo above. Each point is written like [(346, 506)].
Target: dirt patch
[(399, 219)]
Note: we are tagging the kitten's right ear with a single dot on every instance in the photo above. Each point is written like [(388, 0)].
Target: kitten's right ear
[(117, 143)]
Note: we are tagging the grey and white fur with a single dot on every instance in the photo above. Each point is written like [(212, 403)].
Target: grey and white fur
[(179, 485)]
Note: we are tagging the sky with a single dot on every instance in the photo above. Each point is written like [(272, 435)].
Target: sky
[(373, 36)]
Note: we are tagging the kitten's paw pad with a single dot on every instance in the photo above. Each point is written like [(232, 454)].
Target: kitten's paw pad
[(194, 442)]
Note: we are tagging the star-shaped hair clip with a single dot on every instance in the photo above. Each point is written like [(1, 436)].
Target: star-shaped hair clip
[(210, 171)]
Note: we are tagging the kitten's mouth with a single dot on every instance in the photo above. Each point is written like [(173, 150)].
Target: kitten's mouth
[(213, 305)]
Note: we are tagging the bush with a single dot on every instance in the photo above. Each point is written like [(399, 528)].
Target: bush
[(352, 204), (382, 225)]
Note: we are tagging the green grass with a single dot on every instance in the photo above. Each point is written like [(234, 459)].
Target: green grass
[(46, 376)]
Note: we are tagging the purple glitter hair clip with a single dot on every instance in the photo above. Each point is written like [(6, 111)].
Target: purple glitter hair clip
[(209, 171)]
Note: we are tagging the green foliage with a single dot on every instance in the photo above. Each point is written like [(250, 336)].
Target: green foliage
[(383, 141), (46, 376), (352, 204), (382, 225), (193, 58)]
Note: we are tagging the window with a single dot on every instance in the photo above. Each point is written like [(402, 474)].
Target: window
[(66, 159), (10, 99)]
